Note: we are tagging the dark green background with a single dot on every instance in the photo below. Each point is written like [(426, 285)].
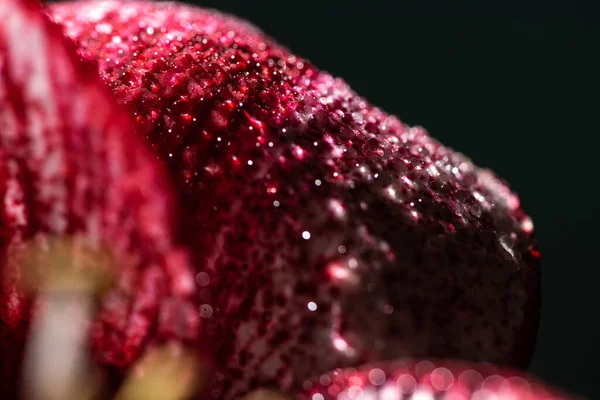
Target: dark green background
[(511, 88)]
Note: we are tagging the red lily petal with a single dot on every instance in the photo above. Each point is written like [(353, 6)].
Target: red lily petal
[(72, 166), (327, 232)]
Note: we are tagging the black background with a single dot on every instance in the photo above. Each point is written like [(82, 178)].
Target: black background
[(510, 88)]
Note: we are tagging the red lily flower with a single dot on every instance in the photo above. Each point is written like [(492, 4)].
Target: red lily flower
[(322, 232)]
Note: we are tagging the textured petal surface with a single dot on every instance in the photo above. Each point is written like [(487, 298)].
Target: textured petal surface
[(327, 233)]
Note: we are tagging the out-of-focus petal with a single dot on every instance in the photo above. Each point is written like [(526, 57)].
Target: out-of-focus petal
[(71, 165)]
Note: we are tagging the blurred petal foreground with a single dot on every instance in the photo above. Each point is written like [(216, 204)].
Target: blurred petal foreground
[(192, 211)]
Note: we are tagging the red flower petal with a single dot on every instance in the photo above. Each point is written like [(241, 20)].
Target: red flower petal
[(328, 233), (72, 166)]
